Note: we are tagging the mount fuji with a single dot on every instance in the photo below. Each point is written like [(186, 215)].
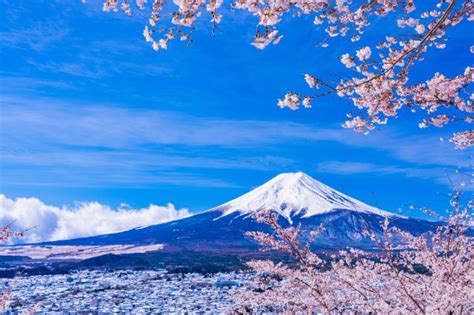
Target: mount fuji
[(296, 197)]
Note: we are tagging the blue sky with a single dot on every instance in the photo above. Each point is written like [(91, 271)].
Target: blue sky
[(89, 112)]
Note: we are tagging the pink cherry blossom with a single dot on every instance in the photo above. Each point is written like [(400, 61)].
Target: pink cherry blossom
[(312, 81), (307, 102), (347, 61), (291, 100), (463, 139), (364, 53)]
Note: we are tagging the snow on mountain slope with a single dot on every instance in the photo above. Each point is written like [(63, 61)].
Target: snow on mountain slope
[(293, 194)]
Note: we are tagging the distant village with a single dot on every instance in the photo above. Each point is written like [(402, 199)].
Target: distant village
[(124, 291)]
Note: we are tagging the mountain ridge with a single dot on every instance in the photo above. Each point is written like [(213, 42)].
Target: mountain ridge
[(300, 195)]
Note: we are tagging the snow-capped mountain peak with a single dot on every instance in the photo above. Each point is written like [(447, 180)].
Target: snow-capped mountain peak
[(293, 194)]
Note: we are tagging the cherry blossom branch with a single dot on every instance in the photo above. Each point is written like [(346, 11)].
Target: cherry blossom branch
[(383, 93), (6, 233), (382, 90)]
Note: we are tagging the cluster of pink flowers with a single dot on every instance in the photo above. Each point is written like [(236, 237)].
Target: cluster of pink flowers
[(427, 274), (6, 233), (463, 139), (181, 21), (292, 101)]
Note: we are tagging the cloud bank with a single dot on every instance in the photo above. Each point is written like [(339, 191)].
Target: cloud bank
[(82, 219)]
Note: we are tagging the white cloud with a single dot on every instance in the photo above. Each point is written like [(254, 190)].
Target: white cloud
[(446, 176), (38, 37), (82, 219)]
